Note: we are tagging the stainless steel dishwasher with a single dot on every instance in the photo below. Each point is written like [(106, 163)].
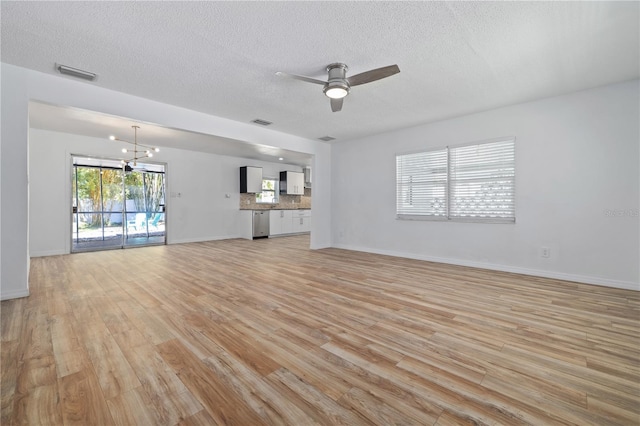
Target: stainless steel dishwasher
[(260, 224)]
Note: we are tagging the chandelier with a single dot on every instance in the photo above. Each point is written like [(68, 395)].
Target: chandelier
[(139, 150)]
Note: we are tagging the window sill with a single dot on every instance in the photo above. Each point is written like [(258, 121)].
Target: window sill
[(454, 220)]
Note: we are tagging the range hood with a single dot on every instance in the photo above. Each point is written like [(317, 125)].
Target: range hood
[(307, 177)]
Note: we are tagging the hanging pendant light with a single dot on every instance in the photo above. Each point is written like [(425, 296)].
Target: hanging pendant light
[(145, 151)]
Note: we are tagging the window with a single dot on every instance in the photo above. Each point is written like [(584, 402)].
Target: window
[(465, 183), (269, 192)]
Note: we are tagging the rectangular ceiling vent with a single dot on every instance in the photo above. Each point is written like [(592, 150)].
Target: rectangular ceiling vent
[(262, 122), (75, 72), (327, 138)]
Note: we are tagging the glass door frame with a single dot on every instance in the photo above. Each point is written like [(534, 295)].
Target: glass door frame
[(147, 213), (90, 161)]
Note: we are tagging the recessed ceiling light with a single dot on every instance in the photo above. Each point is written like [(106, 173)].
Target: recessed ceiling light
[(326, 138), (281, 159)]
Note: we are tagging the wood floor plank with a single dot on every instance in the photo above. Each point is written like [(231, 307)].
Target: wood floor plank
[(269, 332), (11, 320), (450, 419), (256, 392), (155, 375), (72, 362), (111, 314), (223, 404), (377, 411), (233, 338), (40, 406), (35, 340), (82, 400), (129, 408), (169, 408), (115, 375), (387, 388), (8, 379), (324, 409), (145, 321), (190, 336), (63, 334), (35, 372), (201, 418)]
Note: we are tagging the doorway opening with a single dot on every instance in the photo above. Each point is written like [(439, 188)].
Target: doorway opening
[(113, 208)]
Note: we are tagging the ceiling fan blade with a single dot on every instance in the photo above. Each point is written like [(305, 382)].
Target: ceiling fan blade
[(301, 77), (373, 75), (336, 104)]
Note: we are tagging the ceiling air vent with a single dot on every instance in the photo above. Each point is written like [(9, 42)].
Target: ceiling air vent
[(327, 138), (75, 72), (262, 122)]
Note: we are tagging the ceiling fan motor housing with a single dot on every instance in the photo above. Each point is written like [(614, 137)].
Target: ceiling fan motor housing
[(337, 81)]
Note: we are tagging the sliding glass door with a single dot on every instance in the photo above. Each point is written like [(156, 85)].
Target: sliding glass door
[(144, 207), (115, 209)]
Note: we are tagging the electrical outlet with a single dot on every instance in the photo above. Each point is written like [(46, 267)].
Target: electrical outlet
[(545, 252)]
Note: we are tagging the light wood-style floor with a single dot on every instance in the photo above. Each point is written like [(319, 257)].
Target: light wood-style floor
[(246, 333)]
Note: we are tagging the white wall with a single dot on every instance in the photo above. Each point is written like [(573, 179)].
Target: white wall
[(577, 157), (201, 213), (20, 85), (14, 264)]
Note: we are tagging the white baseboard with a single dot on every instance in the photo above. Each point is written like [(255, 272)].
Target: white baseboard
[(202, 239), (44, 253), (625, 285), (6, 295)]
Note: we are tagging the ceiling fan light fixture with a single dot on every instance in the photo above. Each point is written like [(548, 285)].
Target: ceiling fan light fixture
[(339, 85), (336, 90)]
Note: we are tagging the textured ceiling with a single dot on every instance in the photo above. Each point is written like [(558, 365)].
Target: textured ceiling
[(221, 57), (98, 125)]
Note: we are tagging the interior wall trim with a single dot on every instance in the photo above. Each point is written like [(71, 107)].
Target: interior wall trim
[(583, 279), (14, 294), (202, 239), (44, 253)]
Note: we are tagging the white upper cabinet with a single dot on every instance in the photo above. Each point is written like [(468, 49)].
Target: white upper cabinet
[(250, 179), (292, 183)]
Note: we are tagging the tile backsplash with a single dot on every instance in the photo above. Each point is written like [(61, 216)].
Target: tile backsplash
[(285, 202)]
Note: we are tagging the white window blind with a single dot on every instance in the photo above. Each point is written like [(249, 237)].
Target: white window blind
[(482, 181), (422, 182), (465, 183)]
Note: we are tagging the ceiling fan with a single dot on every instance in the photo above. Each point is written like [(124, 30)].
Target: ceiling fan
[(339, 85)]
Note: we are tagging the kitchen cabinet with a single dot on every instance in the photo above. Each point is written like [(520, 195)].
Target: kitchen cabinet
[(301, 221), (292, 183), (282, 222), (250, 179), (245, 224)]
